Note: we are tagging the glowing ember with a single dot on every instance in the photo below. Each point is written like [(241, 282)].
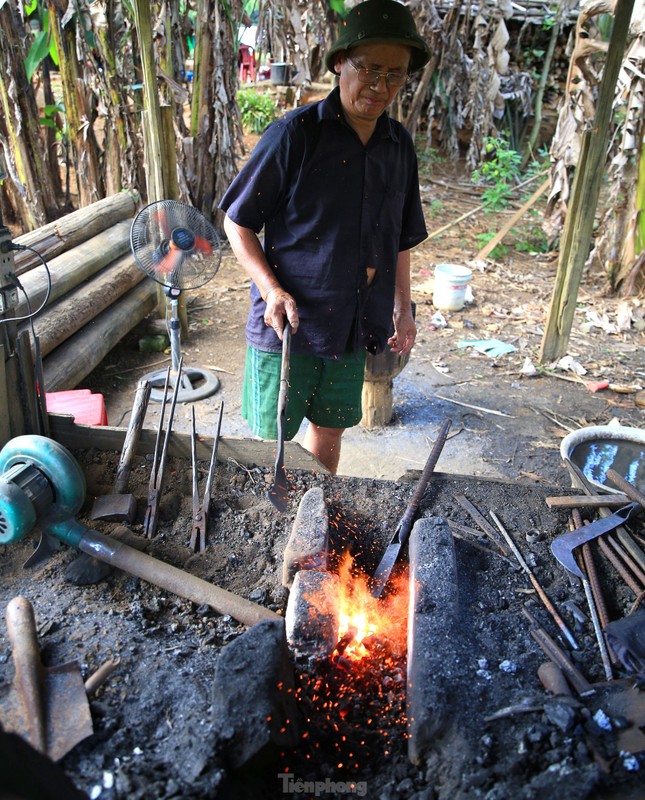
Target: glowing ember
[(353, 703), (365, 622)]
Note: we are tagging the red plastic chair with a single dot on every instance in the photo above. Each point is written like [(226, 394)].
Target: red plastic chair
[(246, 63)]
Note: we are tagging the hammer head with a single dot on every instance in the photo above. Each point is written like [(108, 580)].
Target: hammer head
[(115, 508)]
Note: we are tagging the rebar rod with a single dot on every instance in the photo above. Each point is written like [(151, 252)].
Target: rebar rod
[(595, 601), (616, 563), (541, 593)]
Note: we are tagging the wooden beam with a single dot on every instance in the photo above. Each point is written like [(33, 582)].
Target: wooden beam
[(83, 304), (56, 237), (70, 269), (68, 364), (248, 452), (579, 224)]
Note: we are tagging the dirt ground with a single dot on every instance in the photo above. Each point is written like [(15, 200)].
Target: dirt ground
[(155, 736), (505, 423)]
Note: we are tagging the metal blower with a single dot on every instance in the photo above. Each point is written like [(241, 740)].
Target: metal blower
[(42, 484)]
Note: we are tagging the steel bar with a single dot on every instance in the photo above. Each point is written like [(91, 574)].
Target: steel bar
[(600, 637), (403, 529), (627, 560), (594, 583), (626, 487), (98, 678), (557, 655), (617, 564), (542, 594), (587, 501), (481, 520), (595, 601), (591, 573), (638, 497)]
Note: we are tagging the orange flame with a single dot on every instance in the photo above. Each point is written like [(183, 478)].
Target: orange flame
[(366, 621)]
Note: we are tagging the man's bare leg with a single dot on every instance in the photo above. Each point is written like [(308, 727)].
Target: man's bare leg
[(324, 443)]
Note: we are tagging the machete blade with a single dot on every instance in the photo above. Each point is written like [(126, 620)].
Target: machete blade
[(384, 569), (563, 546)]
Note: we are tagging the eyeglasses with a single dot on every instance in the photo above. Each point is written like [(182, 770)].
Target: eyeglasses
[(372, 76)]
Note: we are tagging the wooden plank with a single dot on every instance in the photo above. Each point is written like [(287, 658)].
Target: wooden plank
[(248, 452)]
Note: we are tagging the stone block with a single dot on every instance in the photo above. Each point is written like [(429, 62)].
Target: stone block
[(308, 545), (312, 616), (254, 706), (433, 655)]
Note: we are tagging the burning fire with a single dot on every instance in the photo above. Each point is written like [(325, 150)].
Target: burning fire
[(353, 703), (365, 622)]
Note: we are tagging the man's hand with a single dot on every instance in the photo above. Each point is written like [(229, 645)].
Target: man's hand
[(405, 332), (280, 304)]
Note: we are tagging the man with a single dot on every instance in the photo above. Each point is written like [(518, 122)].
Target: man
[(335, 186)]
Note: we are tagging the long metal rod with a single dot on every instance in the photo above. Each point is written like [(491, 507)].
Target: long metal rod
[(481, 520), (627, 560), (595, 600), (542, 594), (403, 529), (618, 565), (556, 654), (585, 558)]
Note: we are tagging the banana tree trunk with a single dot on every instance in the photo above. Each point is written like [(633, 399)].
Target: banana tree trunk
[(29, 185), (209, 151), (152, 125), (83, 144)]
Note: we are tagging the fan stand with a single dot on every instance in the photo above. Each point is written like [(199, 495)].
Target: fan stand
[(196, 383)]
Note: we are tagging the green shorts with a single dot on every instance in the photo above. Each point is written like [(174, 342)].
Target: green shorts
[(325, 391)]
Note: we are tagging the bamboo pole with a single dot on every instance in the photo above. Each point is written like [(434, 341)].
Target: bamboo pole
[(152, 128), (539, 95), (578, 228)]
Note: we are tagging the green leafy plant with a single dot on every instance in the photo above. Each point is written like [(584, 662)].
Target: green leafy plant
[(435, 207), (43, 44), (427, 157), (531, 240), (484, 238), (257, 109), (499, 172)]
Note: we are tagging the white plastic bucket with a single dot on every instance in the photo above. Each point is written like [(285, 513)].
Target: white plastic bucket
[(450, 282), (606, 442)]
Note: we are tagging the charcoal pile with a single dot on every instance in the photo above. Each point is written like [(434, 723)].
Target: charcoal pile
[(184, 678)]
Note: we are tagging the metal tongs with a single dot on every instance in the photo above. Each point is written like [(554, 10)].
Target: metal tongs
[(200, 507), (151, 519), (278, 494)]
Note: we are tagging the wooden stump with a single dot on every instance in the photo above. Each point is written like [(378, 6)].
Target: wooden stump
[(378, 395)]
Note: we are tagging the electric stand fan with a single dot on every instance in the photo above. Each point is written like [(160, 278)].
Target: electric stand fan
[(175, 245)]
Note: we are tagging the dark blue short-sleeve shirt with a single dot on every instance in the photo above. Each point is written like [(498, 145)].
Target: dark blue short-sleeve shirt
[(330, 208)]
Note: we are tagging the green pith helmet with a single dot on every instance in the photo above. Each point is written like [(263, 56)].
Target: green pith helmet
[(380, 22)]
